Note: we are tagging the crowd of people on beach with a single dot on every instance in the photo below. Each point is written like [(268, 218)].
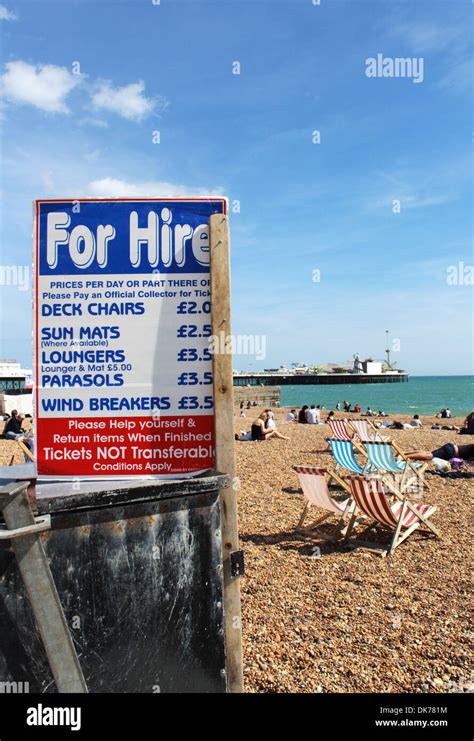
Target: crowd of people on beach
[(264, 428), (312, 414)]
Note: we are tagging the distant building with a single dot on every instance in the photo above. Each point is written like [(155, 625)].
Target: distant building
[(372, 367), (13, 378)]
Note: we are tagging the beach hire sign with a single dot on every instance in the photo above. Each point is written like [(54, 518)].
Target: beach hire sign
[(123, 315)]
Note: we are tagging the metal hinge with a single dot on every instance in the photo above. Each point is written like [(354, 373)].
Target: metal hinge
[(41, 523), (237, 565)]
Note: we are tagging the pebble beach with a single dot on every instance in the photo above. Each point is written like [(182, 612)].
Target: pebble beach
[(319, 618)]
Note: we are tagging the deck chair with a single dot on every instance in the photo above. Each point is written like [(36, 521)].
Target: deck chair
[(382, 457), (341, 431), (402, 516), (315, 489), (366, 431), (343, 454)]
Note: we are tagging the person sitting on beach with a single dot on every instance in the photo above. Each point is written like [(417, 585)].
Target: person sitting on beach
[(357, 408), (347, 406), (13, 427), (13, 430), (260, 432), (291, 416), (468, 425), (270, 423), (302, 415), (330, 416), (369, 412), (416, 422), (338, 405), (313, 415), (446, 453), (248, 404)]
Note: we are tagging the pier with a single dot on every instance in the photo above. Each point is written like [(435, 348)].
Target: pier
[(315, 379)]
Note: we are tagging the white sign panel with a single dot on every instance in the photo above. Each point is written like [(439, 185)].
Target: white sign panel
[(122, 312)]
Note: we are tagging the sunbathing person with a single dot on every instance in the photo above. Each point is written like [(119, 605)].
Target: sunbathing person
[(446, 453), (260, 432)]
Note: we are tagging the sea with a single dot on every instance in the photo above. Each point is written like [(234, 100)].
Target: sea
[(420, 395)]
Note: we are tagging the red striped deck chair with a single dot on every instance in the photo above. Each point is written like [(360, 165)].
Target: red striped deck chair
[(341, 431), (403, 517), (315, 489)]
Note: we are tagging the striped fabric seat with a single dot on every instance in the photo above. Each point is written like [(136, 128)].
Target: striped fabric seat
[(403, 517), (313, 482), (365, 431), (382, 457), (339, 429), (371, 499), (315, 489), (343, 452)]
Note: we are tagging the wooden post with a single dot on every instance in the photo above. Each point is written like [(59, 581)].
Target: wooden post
[(224, 440)]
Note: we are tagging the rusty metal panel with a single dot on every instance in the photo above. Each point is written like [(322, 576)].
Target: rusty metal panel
[(140, 582)]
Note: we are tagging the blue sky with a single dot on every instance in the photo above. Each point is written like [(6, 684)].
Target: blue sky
[(304, 207)]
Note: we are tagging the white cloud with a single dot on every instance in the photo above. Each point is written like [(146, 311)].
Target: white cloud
[(127, 101), (7, 15), (116, 188), (43, 86)]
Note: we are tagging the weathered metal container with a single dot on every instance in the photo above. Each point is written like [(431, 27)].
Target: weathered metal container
[(138, 570)]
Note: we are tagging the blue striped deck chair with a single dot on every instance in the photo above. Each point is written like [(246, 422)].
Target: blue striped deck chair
[(382, 457), (343, 453)]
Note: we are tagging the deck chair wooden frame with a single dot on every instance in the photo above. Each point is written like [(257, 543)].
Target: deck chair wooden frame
[(323, 500), (370, 498)]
